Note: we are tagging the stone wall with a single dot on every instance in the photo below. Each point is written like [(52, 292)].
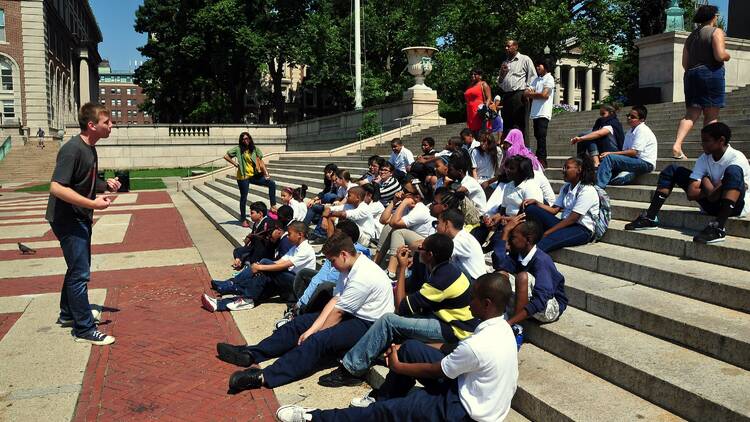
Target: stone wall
[(162, 146)]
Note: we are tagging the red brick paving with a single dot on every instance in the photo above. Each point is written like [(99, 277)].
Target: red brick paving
[(7, 321), (163, 365)]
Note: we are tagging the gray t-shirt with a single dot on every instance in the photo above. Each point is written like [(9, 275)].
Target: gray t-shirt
[(76, 168)]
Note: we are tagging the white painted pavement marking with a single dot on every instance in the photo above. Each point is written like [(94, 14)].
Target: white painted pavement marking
[(110, 209), (126, 198), (110, 229), (41, 367), (39, 267), (23, 230)]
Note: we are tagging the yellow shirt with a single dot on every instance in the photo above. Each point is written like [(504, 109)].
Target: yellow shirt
[(249, 170)]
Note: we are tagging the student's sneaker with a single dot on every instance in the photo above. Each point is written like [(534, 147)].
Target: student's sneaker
[(340, 377), (69, 322), (518, 334), (711, 234), (294, 413), (643, 223), (241, 304), (210, 304), (96, 338), (363, 401), (288, 316)]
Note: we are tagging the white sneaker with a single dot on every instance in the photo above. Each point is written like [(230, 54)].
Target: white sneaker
[(241, 304), (294, 413), (96, 338), (210, 304), (364, 401)]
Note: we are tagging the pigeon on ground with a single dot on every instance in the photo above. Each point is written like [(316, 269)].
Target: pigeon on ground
[(25, 250)]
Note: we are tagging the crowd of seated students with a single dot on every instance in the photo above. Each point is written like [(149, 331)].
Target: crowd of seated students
[(428, 301)]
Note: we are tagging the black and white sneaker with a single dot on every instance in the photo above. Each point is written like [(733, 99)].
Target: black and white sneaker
[(96, 338), (711, 234), (69, 322), (643, 223)]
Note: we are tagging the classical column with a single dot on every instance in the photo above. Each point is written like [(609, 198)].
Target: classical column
[(558, 86), (83, 82), (602, 85), (571, 88), (588, 87)]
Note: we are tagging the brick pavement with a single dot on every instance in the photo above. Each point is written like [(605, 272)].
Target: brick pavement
[(163, 365)]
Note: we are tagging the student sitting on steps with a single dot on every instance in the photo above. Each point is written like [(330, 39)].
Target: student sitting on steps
[(255, 247), (718, 183)]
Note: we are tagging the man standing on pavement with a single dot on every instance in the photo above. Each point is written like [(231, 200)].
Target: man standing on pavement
[(70, 212), (516, 74)]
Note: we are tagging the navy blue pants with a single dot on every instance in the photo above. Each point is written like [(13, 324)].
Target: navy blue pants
[(597, 146), (75, 241), (438, 401), (572, 235), (297, 362), (259, 180), (733, 179)]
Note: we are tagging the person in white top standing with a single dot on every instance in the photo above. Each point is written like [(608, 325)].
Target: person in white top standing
[(718, 182), (476, 381), (541, 93), (401, 158), (638, 155)]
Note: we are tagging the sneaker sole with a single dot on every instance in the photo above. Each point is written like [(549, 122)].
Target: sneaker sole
[(710, 242), (105, 342), (242, 308), (642, 229), (207, 305)]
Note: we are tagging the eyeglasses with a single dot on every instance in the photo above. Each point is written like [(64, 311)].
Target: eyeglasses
[(633, 116)]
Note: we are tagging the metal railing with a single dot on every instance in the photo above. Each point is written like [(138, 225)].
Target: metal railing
[(203, 168), (399, 122), (5, 148)]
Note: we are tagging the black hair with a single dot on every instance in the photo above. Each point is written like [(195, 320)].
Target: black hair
[(455, 217), (525, 169), (641, 110), (718, 129), (588, 171), (330, 167), (344, 174), (705, 13), (466, 132), (430, 141), (350, 228), (259, 207), (458, 162), (440, 245), (389, 165), (486, 136), (373, 190), (337, 243), (397, 141), (374, 159), (298, 193), (285, 214), (423, 190), (456, 141), (531, 230), (452, 198), (547, 64), (244, 148), (495, 287), (609, 108), (298, 226), (477, 71)]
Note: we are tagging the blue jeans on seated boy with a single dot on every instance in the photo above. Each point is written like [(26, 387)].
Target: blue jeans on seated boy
[(260, 285), (733, 179), (572, 235), (396, 401), (612, 165), (597, 146), (296, 362), (384, 332)]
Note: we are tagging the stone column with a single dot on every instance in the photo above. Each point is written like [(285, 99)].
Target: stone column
[(588, 88), (571, 88), (83, 83), (602, 85), (558, 86), (32, 46)]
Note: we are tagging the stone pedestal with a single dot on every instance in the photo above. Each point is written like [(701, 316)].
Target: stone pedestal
[(660, 64), (424, 107)]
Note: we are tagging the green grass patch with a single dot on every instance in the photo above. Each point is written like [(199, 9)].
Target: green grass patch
[(44, 187), (165, 172), (135, 184)]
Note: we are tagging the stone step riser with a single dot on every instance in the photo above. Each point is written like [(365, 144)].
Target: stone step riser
[(635, 194), (211, 193), (691, 220)]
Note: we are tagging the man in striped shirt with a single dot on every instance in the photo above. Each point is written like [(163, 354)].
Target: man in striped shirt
[(438, 312)]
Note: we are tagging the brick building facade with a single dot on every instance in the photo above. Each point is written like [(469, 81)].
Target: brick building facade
[(118, 92)]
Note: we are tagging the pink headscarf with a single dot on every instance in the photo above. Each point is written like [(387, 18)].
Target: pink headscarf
[(517, 147)]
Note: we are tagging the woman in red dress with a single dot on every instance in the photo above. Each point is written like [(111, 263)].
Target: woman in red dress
[(477, 94)]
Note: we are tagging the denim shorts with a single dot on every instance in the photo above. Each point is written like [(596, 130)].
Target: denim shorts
[(704, 87)]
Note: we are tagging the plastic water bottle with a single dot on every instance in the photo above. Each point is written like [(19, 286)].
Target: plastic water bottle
[(518, 332)]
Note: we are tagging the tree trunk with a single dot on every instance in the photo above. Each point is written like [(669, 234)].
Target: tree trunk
[(276, 67)]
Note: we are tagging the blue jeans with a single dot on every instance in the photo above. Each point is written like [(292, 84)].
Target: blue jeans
[(75, 241), (383, 332), (259, 180), (614, 164), (733, 179), (704, 87), (261, 285), (572, 235), (597, 146), (438, 401), (296, 362)]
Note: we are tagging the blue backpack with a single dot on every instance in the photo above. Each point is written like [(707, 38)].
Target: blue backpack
[(601, 220)]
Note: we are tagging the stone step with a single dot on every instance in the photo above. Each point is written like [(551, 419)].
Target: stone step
[(544, 393), (733, 252), (316, 169), (636, 193), (710, 329), (692, 385), (226, 199), (656, 119), (223, 221), (664, 150), (231, 184), (716, 284)]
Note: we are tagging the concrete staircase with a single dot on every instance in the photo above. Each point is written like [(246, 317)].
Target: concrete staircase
[(658, 328), (25, 163)]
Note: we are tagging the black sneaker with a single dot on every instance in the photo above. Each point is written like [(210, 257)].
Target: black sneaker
[(69, 322), (236, 355), (643, 223), (96, 338), (246, 379), (711, 234), (340, 377)]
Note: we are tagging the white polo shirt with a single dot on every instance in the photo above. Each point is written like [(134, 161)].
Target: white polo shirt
[(475, 192), (486, 366), (468, 255), (705, 165), (302, 256), (542, 108), (365, 292), (362, 215), (642, 139), (402, 159), (419, 220), (470, 149), (484, 164), (299, 208), (585, 203), (513, 196)]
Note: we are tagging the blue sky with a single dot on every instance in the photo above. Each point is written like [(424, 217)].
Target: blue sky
[(116, 19)]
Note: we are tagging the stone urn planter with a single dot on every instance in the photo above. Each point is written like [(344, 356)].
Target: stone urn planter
[(419, 64)]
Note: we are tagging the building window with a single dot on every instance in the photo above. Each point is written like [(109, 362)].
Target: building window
[(6, 75), (119, 102), (103, 101), (113, 102), (111, 90), (9, 109), (119, 91), (102, 91), (2, 25)]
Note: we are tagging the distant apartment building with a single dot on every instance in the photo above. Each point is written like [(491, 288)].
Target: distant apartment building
[(118, 92), (48, 58)]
